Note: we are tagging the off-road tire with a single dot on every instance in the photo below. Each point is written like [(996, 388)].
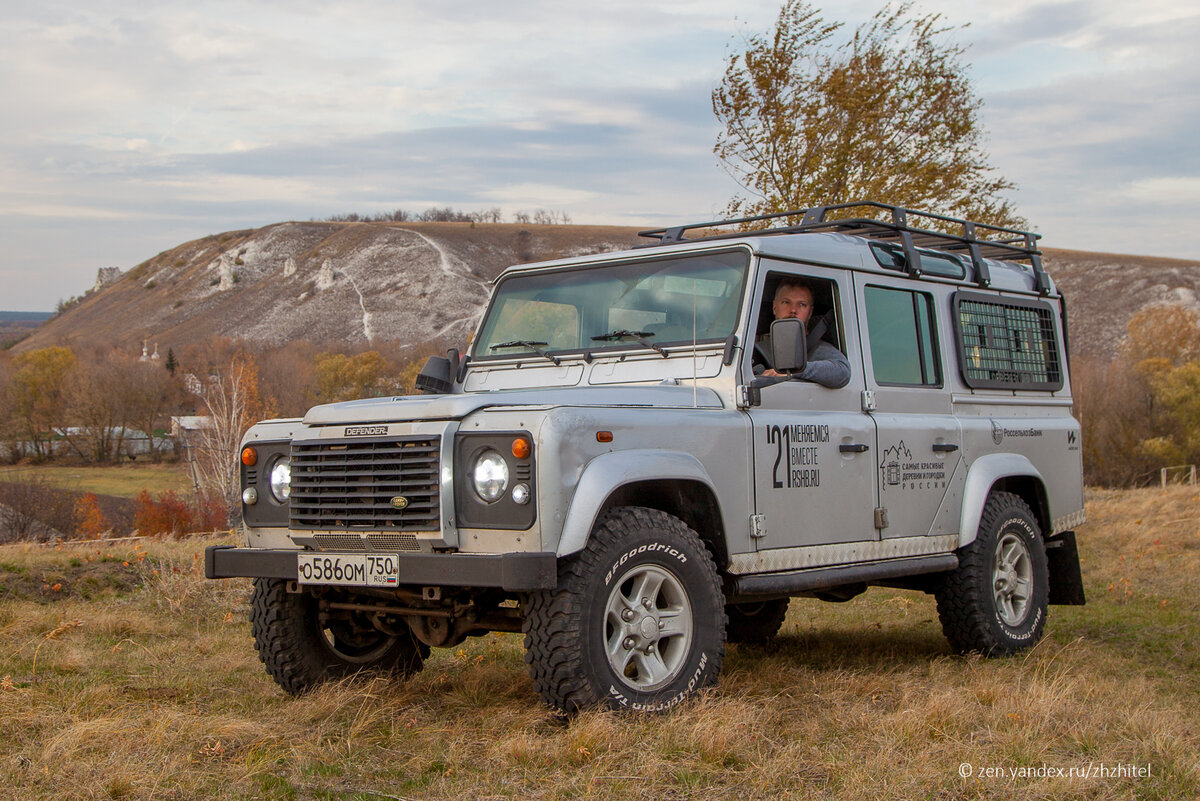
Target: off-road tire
[(632, 553), (979, 604), (299, 654), (755, 623)]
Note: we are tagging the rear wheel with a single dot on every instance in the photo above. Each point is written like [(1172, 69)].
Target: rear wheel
[(995, 602), (637, 620), (300, 650)]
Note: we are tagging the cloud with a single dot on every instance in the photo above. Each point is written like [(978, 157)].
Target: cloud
[(128, 128)]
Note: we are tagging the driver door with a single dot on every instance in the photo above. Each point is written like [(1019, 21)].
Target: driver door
[(814, 477)]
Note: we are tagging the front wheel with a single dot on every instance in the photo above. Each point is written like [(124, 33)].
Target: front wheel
[(300, 649), (637, 621), (995, 602)]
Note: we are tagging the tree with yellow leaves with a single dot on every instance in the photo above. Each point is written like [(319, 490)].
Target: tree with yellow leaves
[(38, 395), (888, 114)]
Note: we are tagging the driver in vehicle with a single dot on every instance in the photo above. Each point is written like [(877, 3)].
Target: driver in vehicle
[(827, 365)]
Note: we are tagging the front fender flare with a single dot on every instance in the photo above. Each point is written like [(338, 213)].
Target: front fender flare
[(981, 477), (607, 472)]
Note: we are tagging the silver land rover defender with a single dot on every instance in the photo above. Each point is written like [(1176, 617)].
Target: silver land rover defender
[(636, 462)]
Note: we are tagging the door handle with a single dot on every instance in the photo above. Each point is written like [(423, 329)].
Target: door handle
[(854, 448), (944, 447)]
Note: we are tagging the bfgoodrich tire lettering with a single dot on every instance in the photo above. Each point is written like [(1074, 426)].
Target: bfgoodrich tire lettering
[(995, 602), (637, 621), (300, 652)]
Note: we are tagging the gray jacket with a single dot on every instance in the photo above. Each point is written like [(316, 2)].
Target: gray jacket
[(826, 366)]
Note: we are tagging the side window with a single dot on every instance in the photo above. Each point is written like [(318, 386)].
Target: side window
[(824, 305), (891, 257), (901, 333), (1006, 343)]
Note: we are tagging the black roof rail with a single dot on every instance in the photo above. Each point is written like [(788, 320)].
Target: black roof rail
[(977, 240)]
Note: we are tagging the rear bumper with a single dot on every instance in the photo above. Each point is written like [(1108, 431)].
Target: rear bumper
[(515, 572)]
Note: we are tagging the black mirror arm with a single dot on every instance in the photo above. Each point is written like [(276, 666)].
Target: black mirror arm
[(770, 380)]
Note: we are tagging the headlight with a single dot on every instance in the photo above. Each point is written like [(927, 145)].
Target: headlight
[(490, 475), (281, 479)]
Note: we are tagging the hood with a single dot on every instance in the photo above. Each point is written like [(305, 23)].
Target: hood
[(455, 407)]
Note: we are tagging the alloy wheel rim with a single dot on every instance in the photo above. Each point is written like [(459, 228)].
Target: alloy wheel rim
[(648, 628), (1012, 579)]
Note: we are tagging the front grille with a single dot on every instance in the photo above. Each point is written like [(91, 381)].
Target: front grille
[(364, 542), (346, 485), (340, 542)]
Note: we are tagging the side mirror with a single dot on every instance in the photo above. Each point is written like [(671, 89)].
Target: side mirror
[(436, 376), (789, 345)]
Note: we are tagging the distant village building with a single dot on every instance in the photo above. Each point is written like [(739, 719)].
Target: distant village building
[(185, 431), (148, 357)]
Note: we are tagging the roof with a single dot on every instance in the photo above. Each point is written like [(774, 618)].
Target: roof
[(991, 256), (977, 242)]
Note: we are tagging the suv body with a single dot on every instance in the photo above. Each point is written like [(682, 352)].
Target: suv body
[(605, 472)]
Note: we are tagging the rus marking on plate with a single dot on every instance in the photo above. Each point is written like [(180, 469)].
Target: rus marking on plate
[(366, 431), (399, 502)]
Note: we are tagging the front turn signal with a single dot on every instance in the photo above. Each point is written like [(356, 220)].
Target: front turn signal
[(249, 456)]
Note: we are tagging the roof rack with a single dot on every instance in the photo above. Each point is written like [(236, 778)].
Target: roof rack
[(1003, 243)]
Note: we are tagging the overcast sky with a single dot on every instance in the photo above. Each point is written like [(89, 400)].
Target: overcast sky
[(128, 128)]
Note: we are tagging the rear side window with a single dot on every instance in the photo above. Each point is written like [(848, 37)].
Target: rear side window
[(901, 332), (1006, 343), (891, 257)]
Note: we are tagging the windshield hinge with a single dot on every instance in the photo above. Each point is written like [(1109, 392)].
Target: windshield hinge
[(748, 396)]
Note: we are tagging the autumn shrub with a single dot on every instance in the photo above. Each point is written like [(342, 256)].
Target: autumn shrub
[(168, 513), (91, 520), (165, 514), (211, 513)]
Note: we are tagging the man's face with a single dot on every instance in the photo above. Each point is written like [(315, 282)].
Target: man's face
[(793, 301)]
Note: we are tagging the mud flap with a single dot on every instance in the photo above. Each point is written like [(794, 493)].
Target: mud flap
[(1066, 580)]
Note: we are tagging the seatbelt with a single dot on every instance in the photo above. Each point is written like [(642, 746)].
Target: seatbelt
[(819, 330)]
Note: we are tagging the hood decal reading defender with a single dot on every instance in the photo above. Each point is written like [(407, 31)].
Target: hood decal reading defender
[(366, 431)]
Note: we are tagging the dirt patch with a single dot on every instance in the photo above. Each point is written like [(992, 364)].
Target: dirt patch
[(84, 577)]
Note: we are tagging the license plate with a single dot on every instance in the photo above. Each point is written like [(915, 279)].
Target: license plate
[(348, 569)]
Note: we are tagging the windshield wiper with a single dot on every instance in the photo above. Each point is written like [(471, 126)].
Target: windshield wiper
[(624, 333), (525, 343)]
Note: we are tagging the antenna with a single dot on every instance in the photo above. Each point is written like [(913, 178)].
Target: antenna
[(695, 390)]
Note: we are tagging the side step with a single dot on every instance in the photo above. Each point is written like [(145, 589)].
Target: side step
[(797, 581)]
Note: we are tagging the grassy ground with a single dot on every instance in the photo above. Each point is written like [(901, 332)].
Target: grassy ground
[(123, 674), (123, 480)]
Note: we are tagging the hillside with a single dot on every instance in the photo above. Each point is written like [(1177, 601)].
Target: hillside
[(1103, 290), (321, 281), (417, 282)]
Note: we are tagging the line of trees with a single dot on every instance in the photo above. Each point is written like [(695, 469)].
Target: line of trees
[(57, 403), (1141, 411), (447, 214)]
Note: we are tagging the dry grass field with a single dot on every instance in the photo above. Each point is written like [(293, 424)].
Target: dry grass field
[(120, 480), (124, 674)]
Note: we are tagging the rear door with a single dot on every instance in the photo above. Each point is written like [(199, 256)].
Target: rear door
[(918, 455)]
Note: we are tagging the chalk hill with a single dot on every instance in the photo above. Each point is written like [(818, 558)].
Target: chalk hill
[(419, 282)]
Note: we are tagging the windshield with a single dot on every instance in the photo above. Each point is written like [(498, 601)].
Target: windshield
[(640, 304)]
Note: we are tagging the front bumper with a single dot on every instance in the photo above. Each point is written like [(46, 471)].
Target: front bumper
[(514, 572)]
